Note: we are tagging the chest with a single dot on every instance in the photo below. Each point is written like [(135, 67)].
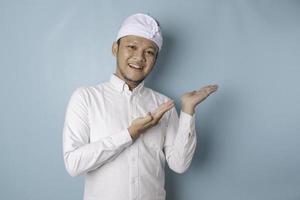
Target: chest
[(110, 114)]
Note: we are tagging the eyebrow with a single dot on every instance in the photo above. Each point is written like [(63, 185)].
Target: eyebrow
[(134, 41), (151, 47)]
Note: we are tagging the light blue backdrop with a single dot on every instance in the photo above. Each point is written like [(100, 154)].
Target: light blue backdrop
[(248, 132)]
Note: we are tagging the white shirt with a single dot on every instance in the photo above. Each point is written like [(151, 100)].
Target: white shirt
[(97, 144)]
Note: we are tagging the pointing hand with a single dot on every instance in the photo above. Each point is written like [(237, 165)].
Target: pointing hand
[(141, 124)]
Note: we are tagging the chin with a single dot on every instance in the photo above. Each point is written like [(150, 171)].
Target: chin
[(134, 79)]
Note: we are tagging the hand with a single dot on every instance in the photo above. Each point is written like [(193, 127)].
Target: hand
[(141, 124), (190, 100)]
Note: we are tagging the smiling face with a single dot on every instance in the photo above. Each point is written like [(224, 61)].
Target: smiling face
[(136, 57)]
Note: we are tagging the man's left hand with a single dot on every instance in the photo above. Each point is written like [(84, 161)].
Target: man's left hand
[(190, 100)]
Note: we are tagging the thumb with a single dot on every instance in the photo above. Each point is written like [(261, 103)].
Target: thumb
[(148, 117)]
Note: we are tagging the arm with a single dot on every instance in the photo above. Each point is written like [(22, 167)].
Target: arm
[(180, 142), (81, 156)]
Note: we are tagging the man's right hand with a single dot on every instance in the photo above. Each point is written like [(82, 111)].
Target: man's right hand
[(141, 124)]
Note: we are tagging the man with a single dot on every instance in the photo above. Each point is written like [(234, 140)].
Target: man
[(118, 134)]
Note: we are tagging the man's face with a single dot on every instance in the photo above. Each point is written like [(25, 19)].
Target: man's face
[(136, 56)]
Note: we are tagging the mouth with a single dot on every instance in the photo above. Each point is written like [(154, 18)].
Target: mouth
[(135, 66)]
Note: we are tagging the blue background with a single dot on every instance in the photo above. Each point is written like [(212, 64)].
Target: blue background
[(248, 131)]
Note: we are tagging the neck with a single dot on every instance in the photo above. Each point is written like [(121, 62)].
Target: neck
[(131, 84)]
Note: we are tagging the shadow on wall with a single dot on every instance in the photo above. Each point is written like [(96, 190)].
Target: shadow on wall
[(208, 138), (207, 135)]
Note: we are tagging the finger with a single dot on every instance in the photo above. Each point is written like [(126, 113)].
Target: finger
[(163, 106), (148, 117), (144, 120), (149, 125), (213, 86), (151, 118), (159, 114), (212, 89), (208, 89)]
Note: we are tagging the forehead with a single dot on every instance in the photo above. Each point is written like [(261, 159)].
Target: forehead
[(139, 41)]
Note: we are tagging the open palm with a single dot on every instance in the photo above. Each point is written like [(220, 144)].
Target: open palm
[(190, 100)]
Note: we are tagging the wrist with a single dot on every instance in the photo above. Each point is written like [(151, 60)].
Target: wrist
[(132, 131), (188, 110)]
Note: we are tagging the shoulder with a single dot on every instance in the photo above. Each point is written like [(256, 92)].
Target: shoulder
[(87, 92)]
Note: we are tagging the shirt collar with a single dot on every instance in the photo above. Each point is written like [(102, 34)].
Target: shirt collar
[(121, 85)]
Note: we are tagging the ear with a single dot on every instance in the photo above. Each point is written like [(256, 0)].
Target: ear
[(114, 48)]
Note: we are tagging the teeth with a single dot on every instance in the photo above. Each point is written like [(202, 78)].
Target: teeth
[(135, 66)]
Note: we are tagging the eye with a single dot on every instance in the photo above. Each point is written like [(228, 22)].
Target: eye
[(131, 47), (150, 53)]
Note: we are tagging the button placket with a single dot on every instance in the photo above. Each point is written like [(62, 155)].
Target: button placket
[(134, 154), (134, 173)]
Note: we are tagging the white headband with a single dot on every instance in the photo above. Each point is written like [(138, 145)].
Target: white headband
[(141, 25)]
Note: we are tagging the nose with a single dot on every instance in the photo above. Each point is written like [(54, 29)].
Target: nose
[(139, 56)]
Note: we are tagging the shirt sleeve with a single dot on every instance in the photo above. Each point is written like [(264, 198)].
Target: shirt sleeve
[(81, 156), (180, 141)]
